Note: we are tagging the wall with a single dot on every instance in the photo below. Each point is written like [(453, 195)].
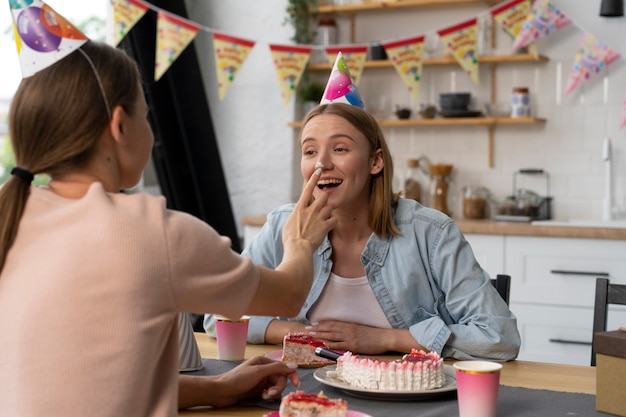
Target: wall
[(258, 148)]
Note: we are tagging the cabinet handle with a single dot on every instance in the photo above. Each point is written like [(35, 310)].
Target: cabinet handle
[(590, 273), (570, 342)]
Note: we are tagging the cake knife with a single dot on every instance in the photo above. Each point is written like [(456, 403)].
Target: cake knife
[(327, 353)]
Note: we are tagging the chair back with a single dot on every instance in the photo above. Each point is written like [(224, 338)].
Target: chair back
[(606, 293), (502, 284)]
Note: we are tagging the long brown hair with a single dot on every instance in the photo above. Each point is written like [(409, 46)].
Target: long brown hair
[(56, 118), (382, 197)]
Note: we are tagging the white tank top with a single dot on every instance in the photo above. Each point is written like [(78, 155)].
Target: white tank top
[(350, 300)]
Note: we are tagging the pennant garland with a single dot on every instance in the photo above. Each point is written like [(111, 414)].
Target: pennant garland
[(592, 57), (354, 57), (406, 57), (230, 54), (289, 63), (511, 16), (42, 36), (173, 35), (461, 41), (543, 19), (126, 13)]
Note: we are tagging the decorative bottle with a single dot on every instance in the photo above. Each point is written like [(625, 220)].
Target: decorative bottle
[(412, 186)]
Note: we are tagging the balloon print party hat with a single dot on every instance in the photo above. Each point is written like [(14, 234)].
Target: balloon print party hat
[(340, 87), (43, 36)]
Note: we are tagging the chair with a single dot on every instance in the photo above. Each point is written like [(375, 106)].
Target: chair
[(606, 294), (502, 284)]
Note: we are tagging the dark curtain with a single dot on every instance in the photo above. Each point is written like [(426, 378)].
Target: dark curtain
[(185, 154)]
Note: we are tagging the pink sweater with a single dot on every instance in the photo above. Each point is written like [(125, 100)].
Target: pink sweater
[(89, 297)]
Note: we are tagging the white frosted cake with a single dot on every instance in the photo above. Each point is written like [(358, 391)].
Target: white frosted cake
[(414, 372)]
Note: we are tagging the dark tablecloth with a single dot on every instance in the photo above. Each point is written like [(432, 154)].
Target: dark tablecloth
[(512, 401)]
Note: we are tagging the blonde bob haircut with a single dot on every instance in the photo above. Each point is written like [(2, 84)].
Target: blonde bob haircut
[(382, 198)]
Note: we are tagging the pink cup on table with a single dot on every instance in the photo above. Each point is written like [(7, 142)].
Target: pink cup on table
[(231, 337), (477, 385)]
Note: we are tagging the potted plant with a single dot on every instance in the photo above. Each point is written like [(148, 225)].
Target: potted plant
[(310, 93), (299, 15)]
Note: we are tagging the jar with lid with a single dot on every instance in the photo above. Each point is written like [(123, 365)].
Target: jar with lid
[(325, 35), (412, 185), (439, 188), (520, 102), (475, 202)]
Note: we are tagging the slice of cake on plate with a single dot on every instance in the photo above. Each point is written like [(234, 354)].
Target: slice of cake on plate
[(300, 348), (301, 404)]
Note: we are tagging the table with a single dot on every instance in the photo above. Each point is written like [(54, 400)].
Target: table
[(534, 375)]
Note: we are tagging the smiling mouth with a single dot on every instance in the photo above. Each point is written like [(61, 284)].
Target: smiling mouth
[(322, 184)]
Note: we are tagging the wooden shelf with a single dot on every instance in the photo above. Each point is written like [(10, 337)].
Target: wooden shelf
[(376, 6), (447, 60), (454, 121)]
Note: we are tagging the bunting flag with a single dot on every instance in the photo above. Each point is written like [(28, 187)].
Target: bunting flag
[(406, 57), (125, 14), (354, 57), (173, 35), (42, 36), (592, 57), (511, 16), (461, 41), (623, 122), (289, 63), (543, 19), (230, 54)]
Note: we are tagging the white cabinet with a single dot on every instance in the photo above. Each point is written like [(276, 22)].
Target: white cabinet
[(553, 291), (489, 252)]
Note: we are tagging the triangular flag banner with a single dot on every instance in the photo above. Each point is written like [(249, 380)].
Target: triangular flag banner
[(340, 88), (173, 35), (592, 57), (543, 19), (461, 42), (511, 16), (354, 56), (42, 36), (125, 14), (623, 122), (406, 57), (230, 54), (289, 63)]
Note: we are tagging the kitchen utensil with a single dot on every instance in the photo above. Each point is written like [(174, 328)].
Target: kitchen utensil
[(454, 101), (526, 205), (327, 353)]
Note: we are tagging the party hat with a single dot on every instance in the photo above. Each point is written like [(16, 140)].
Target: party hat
[(340, 87), (42, 36)]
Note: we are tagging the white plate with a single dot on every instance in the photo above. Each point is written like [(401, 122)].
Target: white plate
[(350, 413), (448, 386), (277, 355)]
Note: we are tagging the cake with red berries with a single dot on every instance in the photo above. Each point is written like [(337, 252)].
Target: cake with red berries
[(416, 371), (301, 404), (300, 348)]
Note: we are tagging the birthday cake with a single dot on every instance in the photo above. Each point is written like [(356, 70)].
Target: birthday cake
[(414, 372)]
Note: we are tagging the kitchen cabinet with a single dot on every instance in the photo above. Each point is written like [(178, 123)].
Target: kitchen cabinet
[(553, 289), (491, 62)]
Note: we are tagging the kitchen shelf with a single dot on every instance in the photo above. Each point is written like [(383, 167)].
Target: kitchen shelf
[(376, 6)]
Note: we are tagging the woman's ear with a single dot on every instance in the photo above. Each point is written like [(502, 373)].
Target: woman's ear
[(377, 163), (117, 124)]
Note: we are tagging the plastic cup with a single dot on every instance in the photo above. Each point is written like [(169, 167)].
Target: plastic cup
[(231, 337), (477, 385)]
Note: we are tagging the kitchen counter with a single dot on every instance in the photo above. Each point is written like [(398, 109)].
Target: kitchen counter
[(491, 227)]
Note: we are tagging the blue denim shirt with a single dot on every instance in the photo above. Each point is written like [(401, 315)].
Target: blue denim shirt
[(426, 280)]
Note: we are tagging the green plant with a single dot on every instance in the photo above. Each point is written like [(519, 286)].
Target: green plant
[(299, 15), (311, 91)]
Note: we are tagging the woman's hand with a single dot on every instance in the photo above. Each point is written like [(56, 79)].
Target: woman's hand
[(254, 378), (311, 220), (358, 338)]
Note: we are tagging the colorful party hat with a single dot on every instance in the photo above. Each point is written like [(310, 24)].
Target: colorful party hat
[(340, 87), (42, 36)]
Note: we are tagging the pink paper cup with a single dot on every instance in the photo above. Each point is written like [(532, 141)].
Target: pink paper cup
[(477, 385), (231, 337)]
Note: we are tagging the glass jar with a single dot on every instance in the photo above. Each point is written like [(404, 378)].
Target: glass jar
[(474, 202), (325, 35), (439, 187), (412, 185)]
